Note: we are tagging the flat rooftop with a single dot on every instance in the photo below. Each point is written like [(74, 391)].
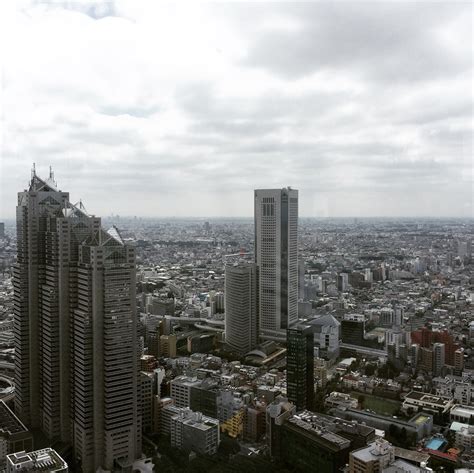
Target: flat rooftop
[(428, 398), (202, 425), (320, 431), (420, 419), (463, 410), (185, 381), (400, 466), (365, 454), (411, 455), (46, 459)]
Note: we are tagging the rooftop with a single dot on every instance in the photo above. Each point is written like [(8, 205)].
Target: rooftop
[(411, 455), (457, 426), (186, 381), (428, 398), (320, 431), (46, 459), (400, 466), (462, 410), (373, 451)]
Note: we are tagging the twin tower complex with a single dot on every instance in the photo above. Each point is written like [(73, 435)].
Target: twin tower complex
[(75, 325), (75, 318), (262, 297)]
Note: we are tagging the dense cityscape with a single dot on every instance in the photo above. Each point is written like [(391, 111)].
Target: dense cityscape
[(277, 343)]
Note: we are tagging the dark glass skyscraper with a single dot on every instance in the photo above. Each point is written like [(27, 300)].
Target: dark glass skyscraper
[(300, 366), (353, 329), (75, 329)]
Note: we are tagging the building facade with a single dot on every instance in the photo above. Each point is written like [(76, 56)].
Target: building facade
[(241, 307), (353, 329), (276, 255), (192, 431), (300, 367), (373, 458), (75, 329), (438, 358)]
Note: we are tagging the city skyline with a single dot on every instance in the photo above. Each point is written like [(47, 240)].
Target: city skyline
[(109, 337), (114, 213), (183, 109)]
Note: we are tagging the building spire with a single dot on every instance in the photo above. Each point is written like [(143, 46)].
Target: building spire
[(33, 171)]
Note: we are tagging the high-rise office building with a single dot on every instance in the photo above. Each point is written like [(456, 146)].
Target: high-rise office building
[(2, 230), (342, 282), (353, 329), (276, 255), (438, 358), (241, 309), (75, 329), (458, 361), (300, 366)]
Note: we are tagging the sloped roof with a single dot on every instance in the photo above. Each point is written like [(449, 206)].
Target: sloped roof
[(326, 319), (114, 233), (37, 184)]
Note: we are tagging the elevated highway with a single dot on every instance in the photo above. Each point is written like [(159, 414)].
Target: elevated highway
[(364, 350)]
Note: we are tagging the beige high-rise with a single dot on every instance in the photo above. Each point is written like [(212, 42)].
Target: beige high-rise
[(276, 255)]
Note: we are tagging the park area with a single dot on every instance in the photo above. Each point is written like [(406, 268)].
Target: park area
[(379, 405)]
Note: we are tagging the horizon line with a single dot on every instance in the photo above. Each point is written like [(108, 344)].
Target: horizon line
[(203, 217)]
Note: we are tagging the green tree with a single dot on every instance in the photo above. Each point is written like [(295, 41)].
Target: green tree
[(370, 369), (228, 446)]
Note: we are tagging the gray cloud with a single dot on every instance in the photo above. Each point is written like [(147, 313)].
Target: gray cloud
[(387, 41), (182, 111)]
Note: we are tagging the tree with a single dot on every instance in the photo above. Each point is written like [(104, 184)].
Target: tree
[(355, 364), (370, 369), (361, 400), (318, 405), (228, 446)]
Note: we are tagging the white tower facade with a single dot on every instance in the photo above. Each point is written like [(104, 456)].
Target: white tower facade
[(276, 255)]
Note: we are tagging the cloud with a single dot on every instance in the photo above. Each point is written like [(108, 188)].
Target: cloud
[(184, 109), (385, 41)]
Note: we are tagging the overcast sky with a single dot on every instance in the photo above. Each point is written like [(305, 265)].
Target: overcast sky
[(162, 109)]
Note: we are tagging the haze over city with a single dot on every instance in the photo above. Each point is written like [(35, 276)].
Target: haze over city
[(183, 109)]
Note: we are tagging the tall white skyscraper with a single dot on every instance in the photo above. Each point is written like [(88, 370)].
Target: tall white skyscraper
[(276, 255)]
